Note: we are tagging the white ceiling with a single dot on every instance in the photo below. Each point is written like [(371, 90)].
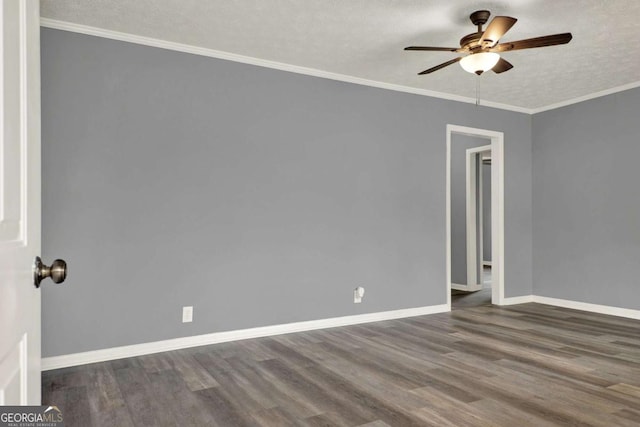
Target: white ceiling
[(365, 39)]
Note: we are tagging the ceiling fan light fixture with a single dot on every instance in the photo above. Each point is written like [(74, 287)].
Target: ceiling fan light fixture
[(478, 63)]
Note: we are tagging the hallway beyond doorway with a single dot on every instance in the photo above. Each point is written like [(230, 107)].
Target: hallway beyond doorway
[(462, 299)]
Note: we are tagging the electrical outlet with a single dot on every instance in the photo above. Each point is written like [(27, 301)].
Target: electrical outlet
[(187, 314), (358, 293)]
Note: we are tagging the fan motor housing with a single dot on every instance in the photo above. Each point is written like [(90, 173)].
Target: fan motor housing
[(471, 41)]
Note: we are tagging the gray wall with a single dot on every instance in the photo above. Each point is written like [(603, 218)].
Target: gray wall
[(258, 196), (486, 212), (459, 146), (586, 201)]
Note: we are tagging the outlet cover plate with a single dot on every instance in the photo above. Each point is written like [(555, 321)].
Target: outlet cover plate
[(357, 299)]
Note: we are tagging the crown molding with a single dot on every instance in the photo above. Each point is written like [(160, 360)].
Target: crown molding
[(212, 53), (180, 47), (586, 97)]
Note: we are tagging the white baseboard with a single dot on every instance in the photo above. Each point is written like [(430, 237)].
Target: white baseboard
[(585, 306), (517, 300), (466, 288), (102, 355), (106, 354), (576, 305)]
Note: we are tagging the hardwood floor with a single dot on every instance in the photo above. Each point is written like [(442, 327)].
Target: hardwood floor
[(524, 365)]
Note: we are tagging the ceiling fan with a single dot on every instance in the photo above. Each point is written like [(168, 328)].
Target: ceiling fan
[(482, 46)]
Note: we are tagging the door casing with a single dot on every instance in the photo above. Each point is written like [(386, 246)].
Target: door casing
[(497, 208)]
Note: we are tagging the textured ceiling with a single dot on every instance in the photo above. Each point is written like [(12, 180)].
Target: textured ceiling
[(365, 38)]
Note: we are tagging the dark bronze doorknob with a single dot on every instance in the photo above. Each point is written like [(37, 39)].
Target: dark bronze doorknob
[(57, 271)]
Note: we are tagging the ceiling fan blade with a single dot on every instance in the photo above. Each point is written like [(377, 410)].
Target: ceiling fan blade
[(543, 41), (430, 48), (502, 66), (437, 67), (496, 29)]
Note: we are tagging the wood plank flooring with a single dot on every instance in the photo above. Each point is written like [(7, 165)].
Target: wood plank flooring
[(523, 365)]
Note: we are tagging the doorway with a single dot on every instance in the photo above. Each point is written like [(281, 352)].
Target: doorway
[(471, 153), (471, 194)]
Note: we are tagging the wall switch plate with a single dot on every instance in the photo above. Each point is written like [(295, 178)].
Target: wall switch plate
[(187, 314)]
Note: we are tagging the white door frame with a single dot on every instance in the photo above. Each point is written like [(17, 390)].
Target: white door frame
[(474, 283), (497, 208)]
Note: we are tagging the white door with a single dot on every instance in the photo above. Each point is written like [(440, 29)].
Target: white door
[(19, 201)]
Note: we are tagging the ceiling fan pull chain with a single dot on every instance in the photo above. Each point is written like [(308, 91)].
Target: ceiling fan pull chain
[(478, 90)]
